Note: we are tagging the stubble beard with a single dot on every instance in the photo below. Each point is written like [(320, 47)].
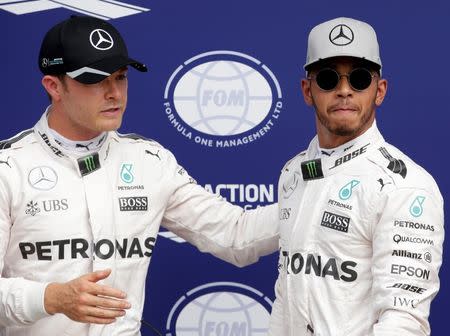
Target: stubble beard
[(346, 130)]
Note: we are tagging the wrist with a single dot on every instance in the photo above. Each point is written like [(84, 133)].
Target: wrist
[(51, 301)]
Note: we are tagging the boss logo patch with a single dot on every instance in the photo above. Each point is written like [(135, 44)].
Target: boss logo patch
[(133, 203), (335, 222)]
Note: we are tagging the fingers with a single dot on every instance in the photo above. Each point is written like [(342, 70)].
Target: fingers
[(103, 290), (103, 313), (85, 300), (97, 275), (109, 303)]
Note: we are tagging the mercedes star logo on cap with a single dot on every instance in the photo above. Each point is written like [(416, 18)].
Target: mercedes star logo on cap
[(42, 178), (100, 39), (341, 35)]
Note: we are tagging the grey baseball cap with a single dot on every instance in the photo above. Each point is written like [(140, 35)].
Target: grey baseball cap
[(342, 37)]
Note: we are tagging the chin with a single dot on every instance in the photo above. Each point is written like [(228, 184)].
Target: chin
[(106, 127), (343, 127)]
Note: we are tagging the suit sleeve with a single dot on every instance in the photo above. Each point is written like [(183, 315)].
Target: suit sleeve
[(21, 300), (407, 255), (216, 226)]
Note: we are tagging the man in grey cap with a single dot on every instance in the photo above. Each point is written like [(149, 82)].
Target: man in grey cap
[(361, 229)]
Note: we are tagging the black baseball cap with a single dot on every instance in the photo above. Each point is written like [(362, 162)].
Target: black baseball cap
[(86, 49)]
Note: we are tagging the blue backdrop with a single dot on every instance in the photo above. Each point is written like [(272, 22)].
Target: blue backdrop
[(243, 58)]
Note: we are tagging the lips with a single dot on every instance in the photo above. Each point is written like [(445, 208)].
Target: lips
[(112, 112), (111, 109), (343, 108)]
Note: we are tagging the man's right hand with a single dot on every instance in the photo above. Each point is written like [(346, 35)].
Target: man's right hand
[(83, 300)]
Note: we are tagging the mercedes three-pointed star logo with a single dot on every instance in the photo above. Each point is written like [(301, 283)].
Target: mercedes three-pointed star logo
[(341, 35), (100, 39), (42, 178)]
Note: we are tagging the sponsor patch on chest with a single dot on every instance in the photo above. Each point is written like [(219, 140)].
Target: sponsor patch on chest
[(335, 222)]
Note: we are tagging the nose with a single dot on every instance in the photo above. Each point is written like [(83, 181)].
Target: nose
[(112, 90), (343, 89)]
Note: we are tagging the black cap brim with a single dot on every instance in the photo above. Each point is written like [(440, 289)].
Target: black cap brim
[(98, 71)]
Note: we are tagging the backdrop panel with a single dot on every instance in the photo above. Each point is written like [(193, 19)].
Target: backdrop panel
[(245, 59)]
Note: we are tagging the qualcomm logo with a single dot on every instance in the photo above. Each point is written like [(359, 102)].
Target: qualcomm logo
[(223, 99), (220, 308), (98, 8)]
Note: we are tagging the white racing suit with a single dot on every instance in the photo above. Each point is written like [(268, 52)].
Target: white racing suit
[(62, 217), (361, 239)]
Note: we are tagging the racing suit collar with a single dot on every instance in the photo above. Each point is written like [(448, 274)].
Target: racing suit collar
[(66, 157), (330, 161)]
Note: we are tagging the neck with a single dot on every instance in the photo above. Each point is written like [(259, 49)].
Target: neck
[(58, 121), (328, 139)]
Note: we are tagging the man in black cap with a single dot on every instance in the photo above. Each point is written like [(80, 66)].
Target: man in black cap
[(81, 205)]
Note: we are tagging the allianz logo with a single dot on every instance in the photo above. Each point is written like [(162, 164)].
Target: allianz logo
[(105, 10)]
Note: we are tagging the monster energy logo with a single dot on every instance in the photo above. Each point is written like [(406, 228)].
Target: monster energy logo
[(88, 164), (312, 169)]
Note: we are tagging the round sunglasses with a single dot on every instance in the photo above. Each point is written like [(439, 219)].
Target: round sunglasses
[(359, 79)]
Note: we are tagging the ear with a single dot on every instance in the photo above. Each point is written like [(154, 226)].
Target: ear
[(53, 86), (306, 90), (381, 91)]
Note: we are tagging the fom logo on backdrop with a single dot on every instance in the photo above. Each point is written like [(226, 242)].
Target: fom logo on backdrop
[(220, 309), (101, 9), (223, 99)]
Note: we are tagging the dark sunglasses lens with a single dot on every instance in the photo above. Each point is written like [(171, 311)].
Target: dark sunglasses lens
[(360, 79), (327, 79)]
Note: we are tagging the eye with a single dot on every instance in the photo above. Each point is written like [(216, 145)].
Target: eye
[(122, 76)]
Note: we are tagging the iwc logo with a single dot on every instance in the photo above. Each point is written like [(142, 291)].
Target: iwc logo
[(223, 99), (220, 308)]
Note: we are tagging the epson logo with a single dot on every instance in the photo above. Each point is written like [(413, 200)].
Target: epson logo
[(136, 203), (419, 273), (408, 287), (335, 222), (319, 266), (81, 248)]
